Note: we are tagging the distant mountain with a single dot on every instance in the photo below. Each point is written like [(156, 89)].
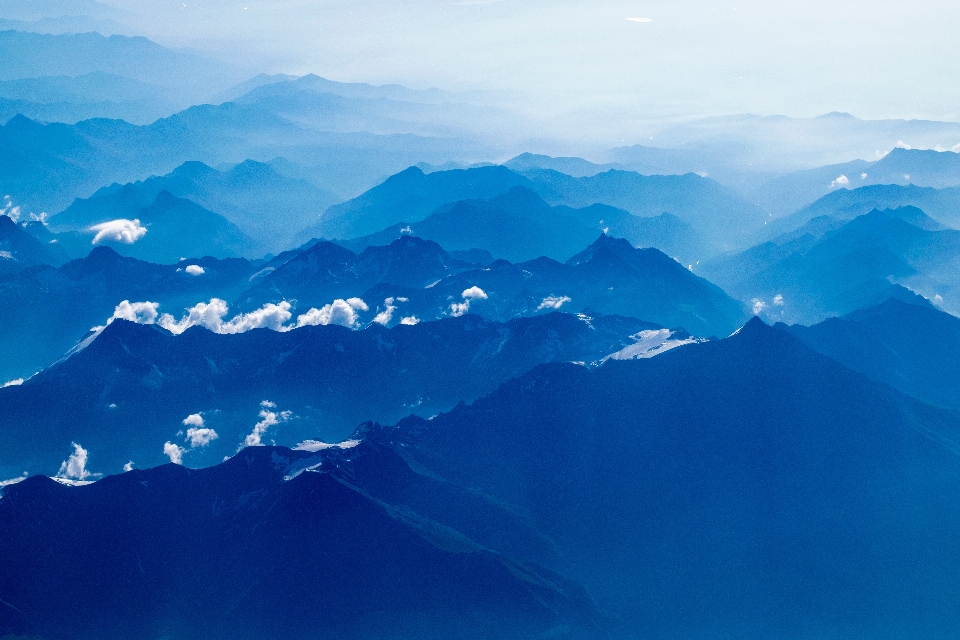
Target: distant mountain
[(754, 472), (331, 378), (45, 167), (166, 231), (576, 167), (702, 203), (266, 206), (909, 345), (46, 311), (830, 268), (610, 277), (19, 250), (186, 77), (410, 196), (943, 205), (282, 553), (904, 167)]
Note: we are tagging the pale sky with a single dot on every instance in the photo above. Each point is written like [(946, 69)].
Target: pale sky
[(662, 57)]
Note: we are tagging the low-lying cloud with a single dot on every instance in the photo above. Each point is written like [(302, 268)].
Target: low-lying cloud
[(457, 309), (553, 302), (121, 230), (75, 467), (268, 418)]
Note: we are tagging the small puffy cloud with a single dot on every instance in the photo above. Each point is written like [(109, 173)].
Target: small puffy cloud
[(553, 302), (863, 176), (193, 420), (200, 436), (341, 312), (75, 467), (9, 210), (457, 309), (173, 452), (778, 300), (474, 293), (385, 316), (139, 312), (195, 270), (6, 255), (12, 383), (758, 306), (903, 145), (410, 320), (122, 230), (267, 419), (128, 466), (841, 181)]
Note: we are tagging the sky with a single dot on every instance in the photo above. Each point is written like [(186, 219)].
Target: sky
[(875, 59)]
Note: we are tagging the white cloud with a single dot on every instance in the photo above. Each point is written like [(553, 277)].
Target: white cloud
[(841, 181), (139, 312), (341, 312), (639, 19), (195, 270), (9, 209), (553, 302), (13, 383), (385, 316), (6, 255), (268, 419), (122, 230), (210, 315), (410, 320), (457, 309), (758, 306), (955, 148), (128, 467), (474, 293), (863, 176), (902, 145), (200, 436), (778, 300), (315, 445), (75, 467), (906, 176), (173, 452), (193, 420)]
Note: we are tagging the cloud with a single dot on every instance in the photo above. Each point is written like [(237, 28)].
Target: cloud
[(12, 383), (315, 445), (195, 270), (193, 420), (173, 452), (553, 302), (139, 312), (955, 148), (122, 230), (841, 181), (75, 467), (639, 19), (200, 436), (758, 306), (385, 316), (457, 309), (778, 300), (268, 419), (128, 466), (410, 320), (903, 145), (863, 176), (9, 209), (6, 255), (341, 312)]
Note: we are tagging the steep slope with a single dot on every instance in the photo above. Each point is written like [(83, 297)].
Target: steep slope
[(833, 271), (329, 377), (19, 250), (910, 346), (145, 554), (747, 488), (46, 311)]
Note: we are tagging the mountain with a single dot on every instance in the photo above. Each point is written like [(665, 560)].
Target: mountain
[(329, 378), (19, 250), (702, 203), (168, 230), (610, 277), (576, 167), (904, 167), (46, 311), (845, 204), (282, 553), (410, 196), (265, 205), (830, 268), (909, 345), (187, 77), (748, 487)]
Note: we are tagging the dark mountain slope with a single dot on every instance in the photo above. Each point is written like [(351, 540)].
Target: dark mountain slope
[(128, 392), (19, 250), (145, 554), (747, 488), (911, 347)]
